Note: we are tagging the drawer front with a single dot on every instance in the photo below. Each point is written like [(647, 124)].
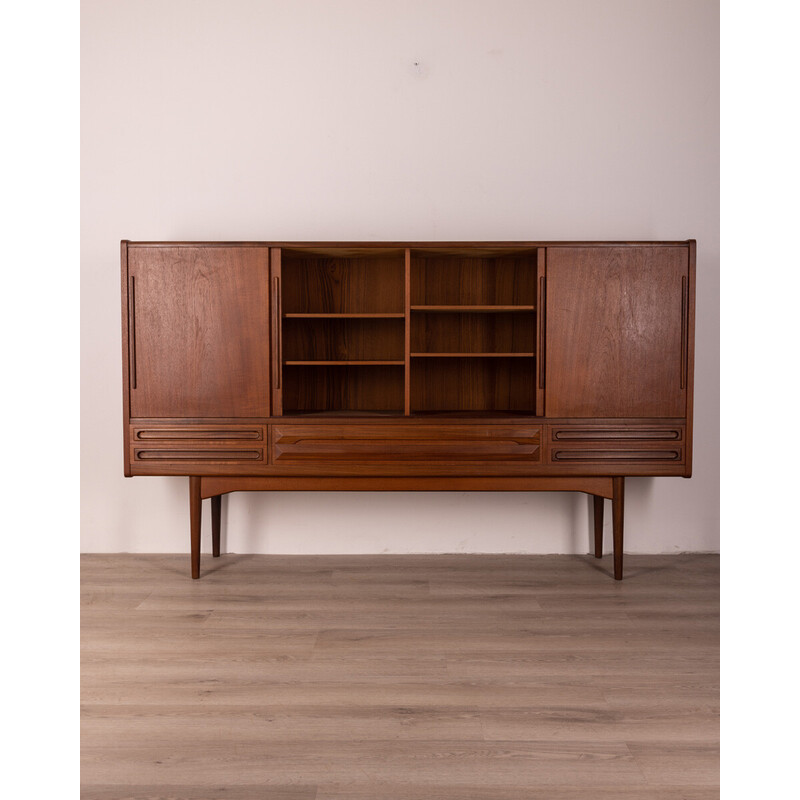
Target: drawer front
[(164, 448), (197, 455), (610, 448), (407, 444), (577, 455), (629, 435), (165, 434)]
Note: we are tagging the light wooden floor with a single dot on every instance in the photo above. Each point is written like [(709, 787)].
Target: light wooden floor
[(400, 678)]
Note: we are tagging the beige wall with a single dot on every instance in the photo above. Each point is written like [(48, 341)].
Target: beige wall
[(415, 119)]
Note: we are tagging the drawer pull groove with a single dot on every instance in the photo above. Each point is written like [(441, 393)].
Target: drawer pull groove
[(616, 455), (404, 443), (598, 434), (172, 434), (198, 455)]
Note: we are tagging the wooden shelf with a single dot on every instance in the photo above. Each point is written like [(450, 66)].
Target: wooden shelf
[(348, 315), (462, 342), (348, 363), (473, 384), (475, 309), (472, 355), (522, 415), (346, 412)]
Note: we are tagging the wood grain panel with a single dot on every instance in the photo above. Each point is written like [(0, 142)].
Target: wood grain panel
[(215, 433), (343, 388), (223, 456), (127, 362), (690, 356), (343, 339), (615, 335), (402, 443), (474, 384), (276, 328), (473, 333), (199, 331), (573, 454), (541, 270), (615, 433), (340, 283), (457, 278), (215, 485)]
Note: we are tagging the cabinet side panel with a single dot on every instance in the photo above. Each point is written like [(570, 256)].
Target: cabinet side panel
[(690, 358), (615, 339), (126, 408), (201, 327)]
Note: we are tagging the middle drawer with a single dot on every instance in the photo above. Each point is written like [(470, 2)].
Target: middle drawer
[(376, 443)]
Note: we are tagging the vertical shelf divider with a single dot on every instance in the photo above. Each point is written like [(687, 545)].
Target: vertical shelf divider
[(407, 354), (277, 331), (539, 331)]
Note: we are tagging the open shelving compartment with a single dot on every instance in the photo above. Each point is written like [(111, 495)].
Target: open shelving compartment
[(473, 330), (406, 331), (343, 330)]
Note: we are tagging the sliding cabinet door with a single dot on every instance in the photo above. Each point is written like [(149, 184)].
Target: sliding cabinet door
[(616, 322), (198, 331)]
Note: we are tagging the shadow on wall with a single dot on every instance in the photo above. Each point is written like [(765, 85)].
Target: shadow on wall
[(344, 522), (638, 492)]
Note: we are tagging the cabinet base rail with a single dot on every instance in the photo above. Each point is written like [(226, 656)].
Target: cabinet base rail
[(599, 488)]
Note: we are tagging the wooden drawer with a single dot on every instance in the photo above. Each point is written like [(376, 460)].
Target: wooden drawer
[(404, 443), (178, 448), (641, 447), (629, 435), (197, 455), (616, 456), (165, 434)]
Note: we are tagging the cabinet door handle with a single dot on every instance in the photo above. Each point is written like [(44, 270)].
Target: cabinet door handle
[(277, 318), (132, 330), (684, 331), (542, 288)]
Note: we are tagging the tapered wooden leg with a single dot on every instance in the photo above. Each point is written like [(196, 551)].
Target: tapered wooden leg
[(598, 526), (216, 509), (195, 514), (618, 511)]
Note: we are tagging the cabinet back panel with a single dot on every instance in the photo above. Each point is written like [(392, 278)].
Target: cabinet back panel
[(328, 284), (343, 339), (452, 279), (200, 332), (615, 331), (310, 389), (472, 333), (473, 384)]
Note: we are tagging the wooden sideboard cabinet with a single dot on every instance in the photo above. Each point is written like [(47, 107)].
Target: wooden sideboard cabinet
[(481, 366)]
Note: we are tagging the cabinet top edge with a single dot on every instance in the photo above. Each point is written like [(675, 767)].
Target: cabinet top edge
[(420, 245), (441, 418)]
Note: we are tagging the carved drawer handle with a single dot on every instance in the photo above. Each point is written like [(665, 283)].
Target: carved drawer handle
[(164, 434), (616, 455), (198, 455), (654, 434)]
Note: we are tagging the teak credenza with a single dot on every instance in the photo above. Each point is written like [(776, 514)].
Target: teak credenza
[(481, 366)]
